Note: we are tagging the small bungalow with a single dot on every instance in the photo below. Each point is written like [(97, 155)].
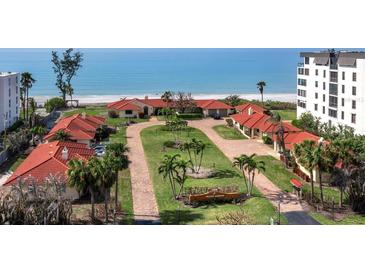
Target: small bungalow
[(134, 108), (82, 128)]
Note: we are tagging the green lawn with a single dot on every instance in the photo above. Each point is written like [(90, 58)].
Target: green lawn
[(287, 114), (280, 176), (349, 220), (258, 208), (229, 133)]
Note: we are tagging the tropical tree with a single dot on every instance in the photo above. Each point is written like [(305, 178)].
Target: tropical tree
[(22, 100), (118, 160), (65, 69), (82, 177), (26, 82), (61, 135), (183, 101), (306, 157), (167, 97), (251, 166), (38, 131), (195, 149), (167, 169), (320, 162), (233, 100), (260, 85)]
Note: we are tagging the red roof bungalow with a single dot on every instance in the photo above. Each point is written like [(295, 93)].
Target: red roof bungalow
[(291, 138), (249, 108), (81, 128), (146, 106), (49, 159)]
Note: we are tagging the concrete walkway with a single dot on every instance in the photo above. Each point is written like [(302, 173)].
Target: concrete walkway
[(144, 202), (232, 148)]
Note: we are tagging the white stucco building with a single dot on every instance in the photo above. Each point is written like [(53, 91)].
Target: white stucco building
[(331, 85), (9, 98)]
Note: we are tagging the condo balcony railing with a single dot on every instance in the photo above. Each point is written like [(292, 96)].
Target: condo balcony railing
[(334, 79), (334, 66)]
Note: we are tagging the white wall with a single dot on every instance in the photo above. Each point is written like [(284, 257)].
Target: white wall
[(347, 96), (124, 115), (13, 110)]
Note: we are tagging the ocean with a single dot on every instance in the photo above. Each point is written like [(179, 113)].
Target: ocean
[(111, 73)]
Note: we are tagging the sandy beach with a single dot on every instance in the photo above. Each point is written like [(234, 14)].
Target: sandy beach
[(98, 99)]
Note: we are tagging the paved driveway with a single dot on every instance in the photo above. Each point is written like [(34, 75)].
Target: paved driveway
[(144, 202)]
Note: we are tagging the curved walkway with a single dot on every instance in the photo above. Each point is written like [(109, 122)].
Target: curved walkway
[(289, 205), (144, 202)]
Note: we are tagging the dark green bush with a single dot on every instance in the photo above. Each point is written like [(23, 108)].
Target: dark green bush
[(190, 116), (229, 122), (113, 114), (54, 104), (169, 144), (267, 140)]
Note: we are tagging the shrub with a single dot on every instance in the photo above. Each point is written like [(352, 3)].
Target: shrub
[(267, 140), (169, 144), (229, 122), (113, 114), (54, 104), (190, 116)]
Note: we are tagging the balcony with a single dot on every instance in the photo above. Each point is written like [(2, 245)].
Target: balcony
[(300, 65)]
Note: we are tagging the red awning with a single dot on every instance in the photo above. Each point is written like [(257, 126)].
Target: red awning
[(296, 183)]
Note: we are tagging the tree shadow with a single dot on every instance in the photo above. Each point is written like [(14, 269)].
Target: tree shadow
[(225, 173), (179, 217)]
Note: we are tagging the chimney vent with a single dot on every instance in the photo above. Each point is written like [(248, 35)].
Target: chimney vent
[(146, 97), (64, 153)]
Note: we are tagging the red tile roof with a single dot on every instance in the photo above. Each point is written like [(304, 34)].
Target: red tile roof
[(78, 126), (245, 107), (159, 103), (292, 138), (211, 104), (47, 159)]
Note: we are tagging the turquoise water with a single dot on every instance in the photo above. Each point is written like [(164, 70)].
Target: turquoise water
[(152, 71)]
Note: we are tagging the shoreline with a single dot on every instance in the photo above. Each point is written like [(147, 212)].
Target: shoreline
[(103, 99)]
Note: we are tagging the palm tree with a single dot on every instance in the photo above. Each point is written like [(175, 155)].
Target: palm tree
[(27, 82), (180, 169), (304, 154), (38, 130), (81, 176), (168, 168), (61, 135), (22, 99), (118, 160), (167, 97), (251, 166), (260, 85), (240, 162), (319, 163), (195, 149)]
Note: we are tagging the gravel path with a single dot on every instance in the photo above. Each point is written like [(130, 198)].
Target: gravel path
[(144, 202)]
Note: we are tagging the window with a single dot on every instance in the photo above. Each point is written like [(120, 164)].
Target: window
[(16, 100), (324, 74), (343, 88), (333, 76), (324, 86), (354, 91), (306, 60), (343, 102), (353, 104), (332, 113), (316, 72), (333, 101), (316, 84), (128, 112), (306, 71), (353, 118), (9, 103), (343, 75), (316, 95), (324, 97), (316, 107), (302, 82), (301, 103), (342, 115), (354, 76), (302, 93), (333, 89), (9, 92), (324, 110), (9, 82)]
